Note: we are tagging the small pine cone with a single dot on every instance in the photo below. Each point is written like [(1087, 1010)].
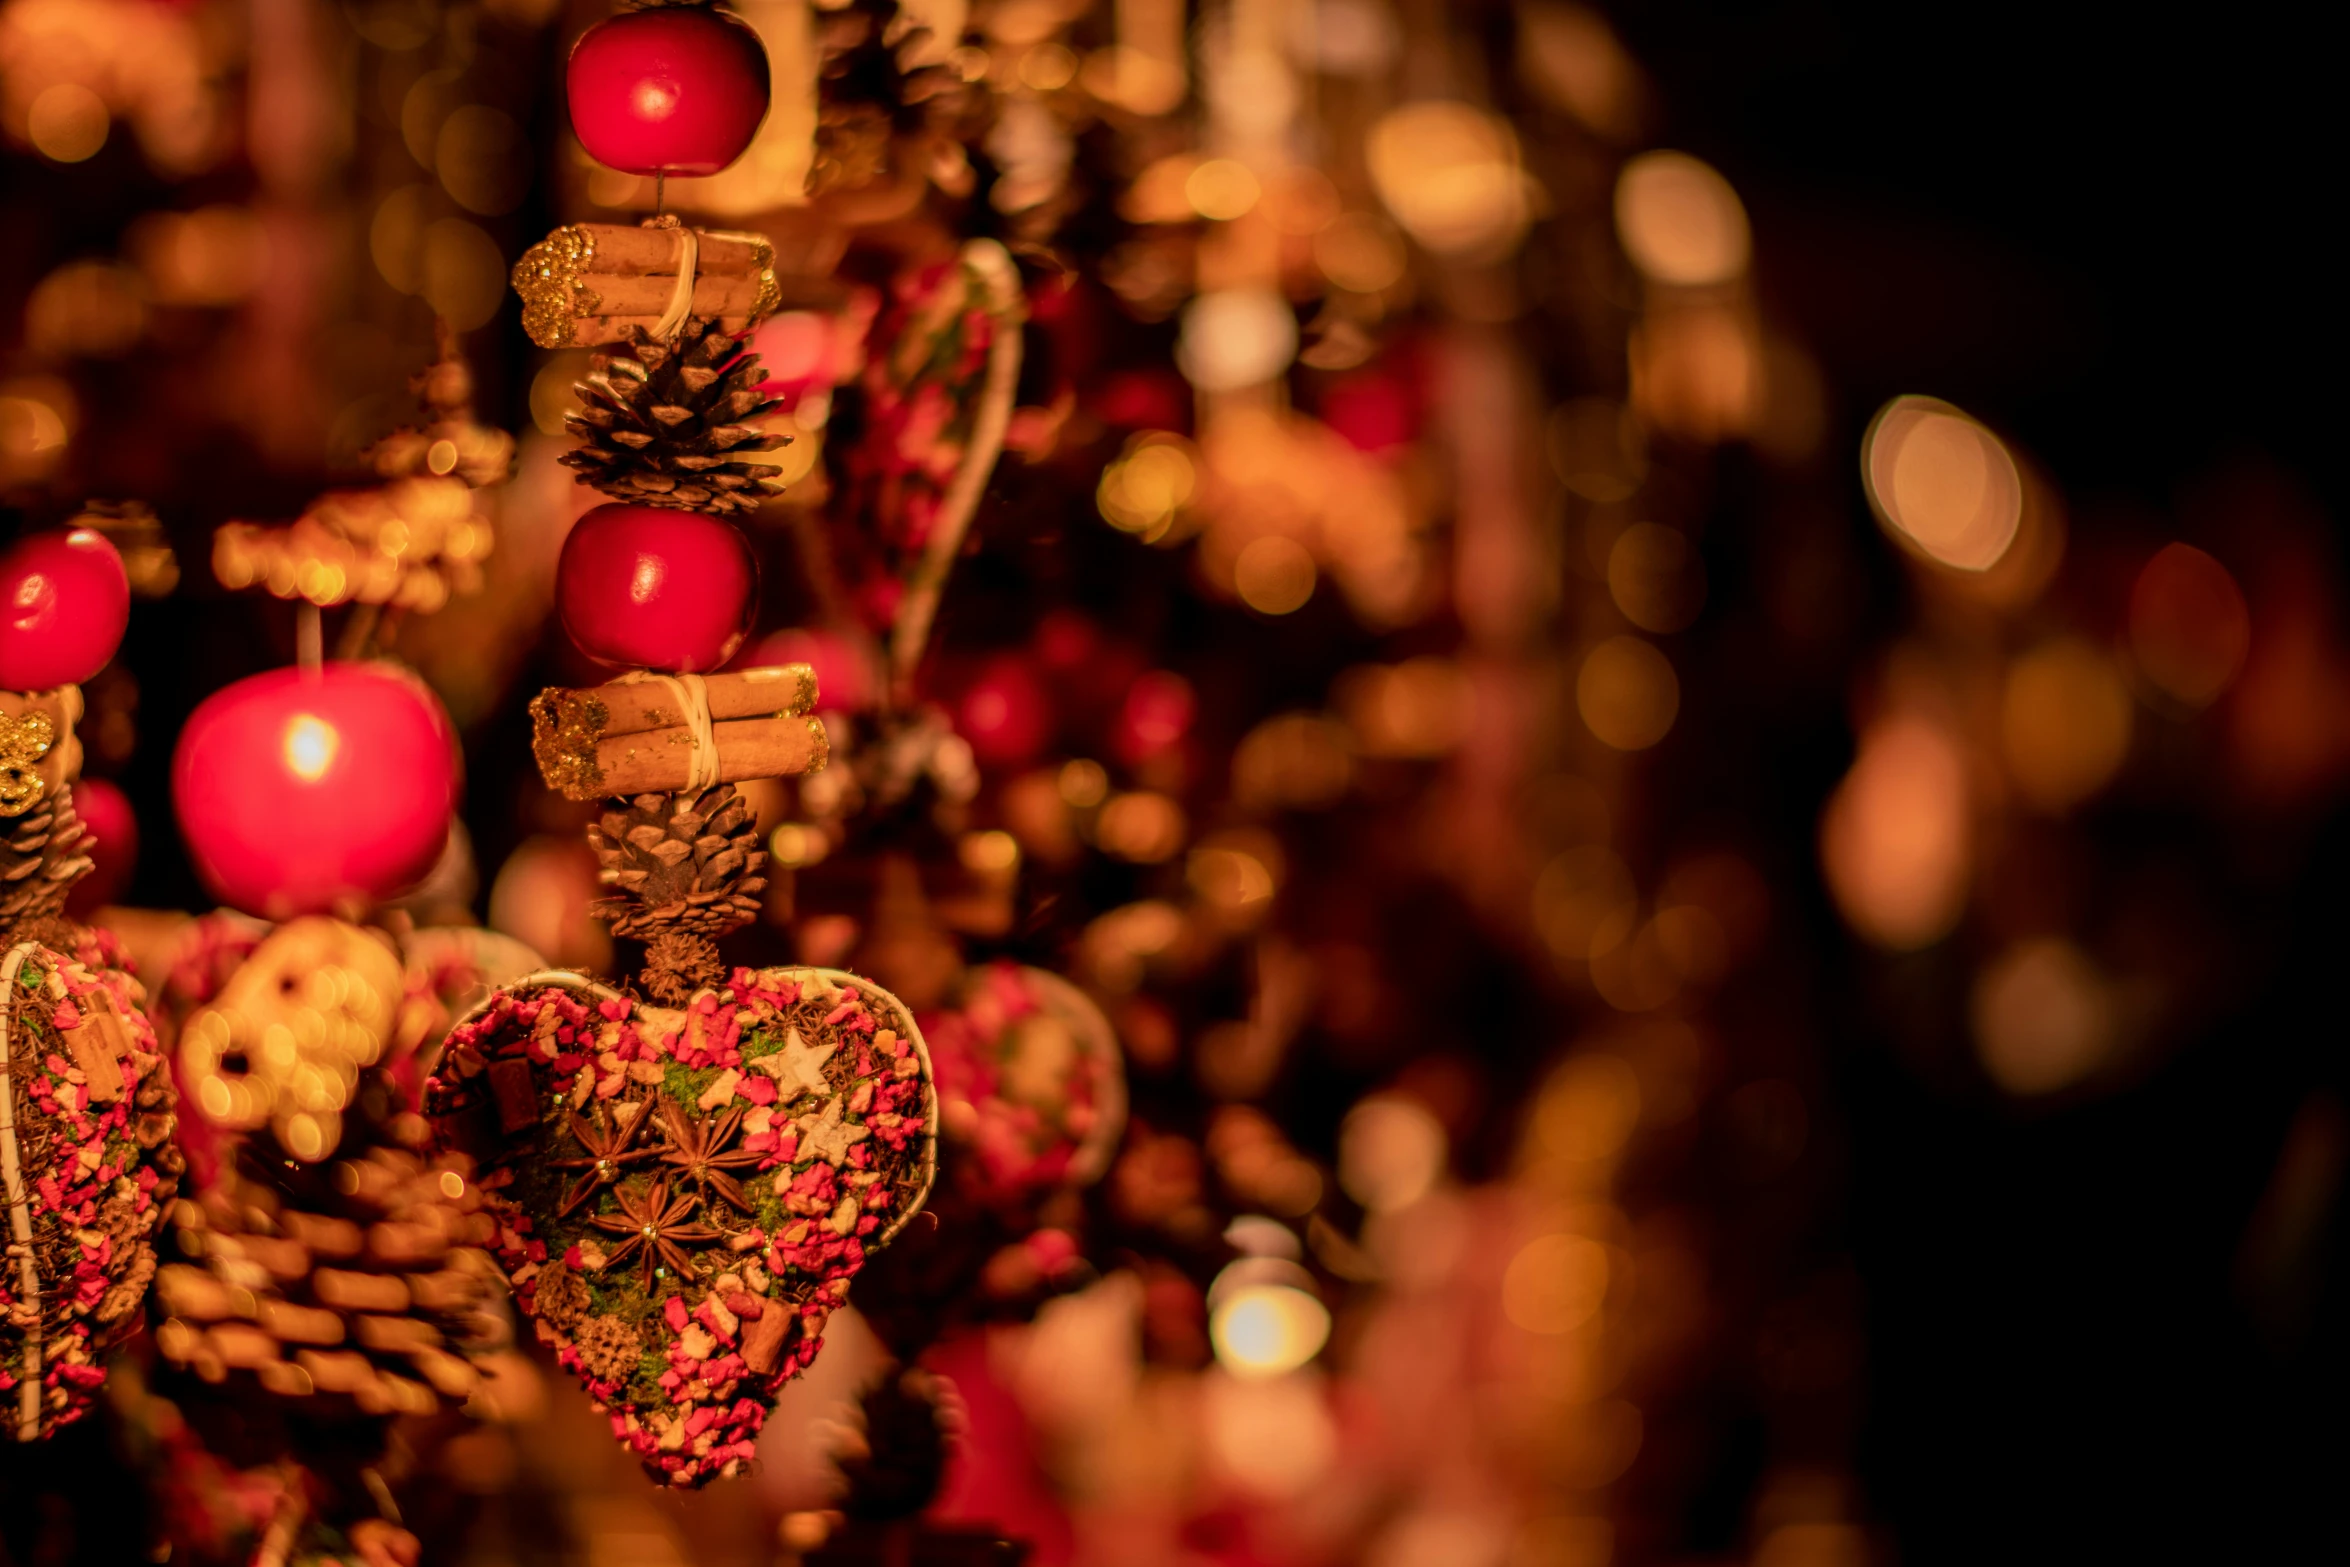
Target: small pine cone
[(666, 424), (679, 862), (609, 1349), (562, 1297), (42, 855), (678, 963)]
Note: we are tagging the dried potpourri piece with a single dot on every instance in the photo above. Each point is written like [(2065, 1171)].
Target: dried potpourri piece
[(792, 1130), (86, 1120)]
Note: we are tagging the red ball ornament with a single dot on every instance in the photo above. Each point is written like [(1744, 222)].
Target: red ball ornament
[(647, 588), (303, 789), (64, 600), (676, 89), (1004, 713), (113, 844)]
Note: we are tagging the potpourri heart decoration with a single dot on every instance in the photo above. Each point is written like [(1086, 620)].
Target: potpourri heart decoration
[(86, 1117), (683, 1195)]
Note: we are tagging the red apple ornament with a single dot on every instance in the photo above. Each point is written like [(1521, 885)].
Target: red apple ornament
[(303, 789), (677, 89), (647, 588), (64, 600)]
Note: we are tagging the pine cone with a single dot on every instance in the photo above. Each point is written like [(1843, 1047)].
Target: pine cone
[(662, 423), (41, 858), (609, 1349), (867, 96), (680, 862), (677, 964), (360, 1279)]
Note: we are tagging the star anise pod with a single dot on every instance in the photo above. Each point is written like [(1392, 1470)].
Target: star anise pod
[(698, 1148), (609, 1150), (654, 1223)]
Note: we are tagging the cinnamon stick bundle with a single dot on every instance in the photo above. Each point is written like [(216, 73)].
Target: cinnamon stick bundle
[(592, 283), (631, 736)]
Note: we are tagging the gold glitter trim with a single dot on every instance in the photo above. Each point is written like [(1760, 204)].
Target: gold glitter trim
[(821, 739), (23, 743), (763, 261), (565, 726), (547, 278)]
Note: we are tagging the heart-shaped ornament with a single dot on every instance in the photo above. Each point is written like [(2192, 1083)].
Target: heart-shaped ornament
[(87, 1167), (683, 1195)]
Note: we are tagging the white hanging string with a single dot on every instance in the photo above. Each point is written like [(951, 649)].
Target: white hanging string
[(693, 700)]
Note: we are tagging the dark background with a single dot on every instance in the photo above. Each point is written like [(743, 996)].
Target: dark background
[(2108, 233)]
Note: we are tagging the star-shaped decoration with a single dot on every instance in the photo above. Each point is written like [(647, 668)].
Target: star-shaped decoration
[(827, 1136), (798, 1068), (609, 1149), (698, 1150), (655, 1227)]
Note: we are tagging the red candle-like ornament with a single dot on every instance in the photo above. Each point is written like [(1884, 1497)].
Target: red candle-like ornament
[(648, 588), (677, 89), (64, 600), (302, 790)]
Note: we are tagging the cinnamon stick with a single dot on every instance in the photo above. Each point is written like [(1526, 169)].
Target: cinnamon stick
[(627, 707), (592, 283), (660, 761), (607, 740)]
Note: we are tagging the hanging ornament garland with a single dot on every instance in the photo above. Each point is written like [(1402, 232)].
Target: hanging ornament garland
[(682, 1191)]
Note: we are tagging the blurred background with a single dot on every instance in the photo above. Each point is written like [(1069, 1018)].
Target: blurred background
[(1675, 671)]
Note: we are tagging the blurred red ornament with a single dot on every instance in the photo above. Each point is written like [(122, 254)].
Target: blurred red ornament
[(1375, 412), (64, 600), (675, 89), (303, 789), (1005, 713), (654, 589), (113, 844), (846, 680), (1158, 712), (1066, 640)]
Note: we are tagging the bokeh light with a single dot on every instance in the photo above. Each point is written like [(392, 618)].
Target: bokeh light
[(1450, 174), (1266, 1329), (1680, 221), (1895, 839), (1655, 578), (1555, 1283), (1627, 693), (1942, 483), (2189, 626), (1391, 1152), (2043, 1017), (2064, 722), (1235, 338), (1273, 575)]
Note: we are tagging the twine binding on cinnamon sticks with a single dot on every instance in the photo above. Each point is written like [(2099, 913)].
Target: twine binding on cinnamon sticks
[(20, 1214), (681, 295), (693, 701)]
